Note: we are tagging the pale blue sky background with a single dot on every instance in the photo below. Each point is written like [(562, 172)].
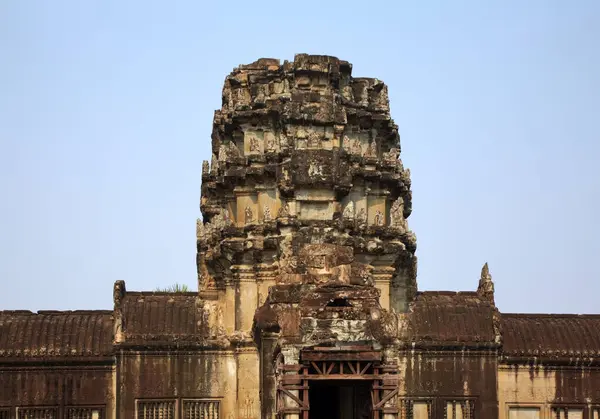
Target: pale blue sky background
[(106, 110)]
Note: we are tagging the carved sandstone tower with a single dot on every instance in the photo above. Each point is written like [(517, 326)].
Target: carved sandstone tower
[(304, 239)]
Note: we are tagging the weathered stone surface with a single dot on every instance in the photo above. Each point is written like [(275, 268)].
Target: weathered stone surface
[(306, 269)]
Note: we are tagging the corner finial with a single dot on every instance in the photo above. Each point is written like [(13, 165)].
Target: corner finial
[(486, 285), (118, 293)]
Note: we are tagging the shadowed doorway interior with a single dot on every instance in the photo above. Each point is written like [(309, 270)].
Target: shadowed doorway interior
[(340, 399)]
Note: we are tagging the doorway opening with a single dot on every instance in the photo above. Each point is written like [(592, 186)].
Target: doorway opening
[(340, 399)]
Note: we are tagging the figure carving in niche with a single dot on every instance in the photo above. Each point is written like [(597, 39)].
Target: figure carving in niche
[(361, 218), (213, 164), (356, 148), (248, 215), (346, 143), (378, 218), (266, 213), (397, 214), (315, 170), (285, 174), (313, 140), (349, 211), (372, 149), (254, 145), (222, 153), (284, 210), (284, 141), (392, 155), (205, 167), (270, 143)]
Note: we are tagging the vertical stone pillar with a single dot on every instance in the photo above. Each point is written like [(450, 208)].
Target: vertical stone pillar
[(229, 374), (268, 383), (248, 383), (246, 297), (383, 277), (229, 306), (265, 279)]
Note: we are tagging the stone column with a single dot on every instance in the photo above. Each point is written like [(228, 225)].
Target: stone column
[(229, 377), (229, 307), (383, 277), (268, 375), (246, 297), (248, 384), (265, 279)]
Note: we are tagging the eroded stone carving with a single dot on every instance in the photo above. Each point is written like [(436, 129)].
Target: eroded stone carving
[(223, 153), (378, 219), (397, 214), (254, 145), (315, 169), (205, 167), (372, 149), (357, 148), (214, 164), (392, 155), (486, 285), (266, 213), (248, 216), (314, 140), (361, 218), (270, 143), (346, 143), (349, 211), (284, 210)]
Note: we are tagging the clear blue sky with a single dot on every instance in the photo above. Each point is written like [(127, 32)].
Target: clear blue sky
[(106, 110)]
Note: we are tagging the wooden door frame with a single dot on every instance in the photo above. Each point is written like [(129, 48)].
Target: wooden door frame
[(333, 364)]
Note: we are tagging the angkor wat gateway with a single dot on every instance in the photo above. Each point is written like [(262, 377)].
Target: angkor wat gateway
[(307, 302)]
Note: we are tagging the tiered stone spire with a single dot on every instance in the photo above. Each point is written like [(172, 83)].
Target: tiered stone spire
[(305, 186)]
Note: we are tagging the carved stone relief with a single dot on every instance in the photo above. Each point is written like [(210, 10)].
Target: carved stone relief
[(248, 216), (266, 213), (349, 211), (379, 219)]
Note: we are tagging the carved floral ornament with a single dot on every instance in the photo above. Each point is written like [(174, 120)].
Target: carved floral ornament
[(315, 170), (284, 211)]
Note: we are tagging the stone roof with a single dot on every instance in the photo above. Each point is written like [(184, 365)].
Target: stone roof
[(25, 334), (451, 319), (551, 335), (150, 318)]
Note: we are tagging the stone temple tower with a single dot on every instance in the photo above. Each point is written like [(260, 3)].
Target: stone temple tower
[(303, 242)]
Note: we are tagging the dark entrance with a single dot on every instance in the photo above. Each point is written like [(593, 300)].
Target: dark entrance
[(340, 399)]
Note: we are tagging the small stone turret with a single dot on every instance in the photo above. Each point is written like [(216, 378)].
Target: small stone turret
[(486, 285)]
